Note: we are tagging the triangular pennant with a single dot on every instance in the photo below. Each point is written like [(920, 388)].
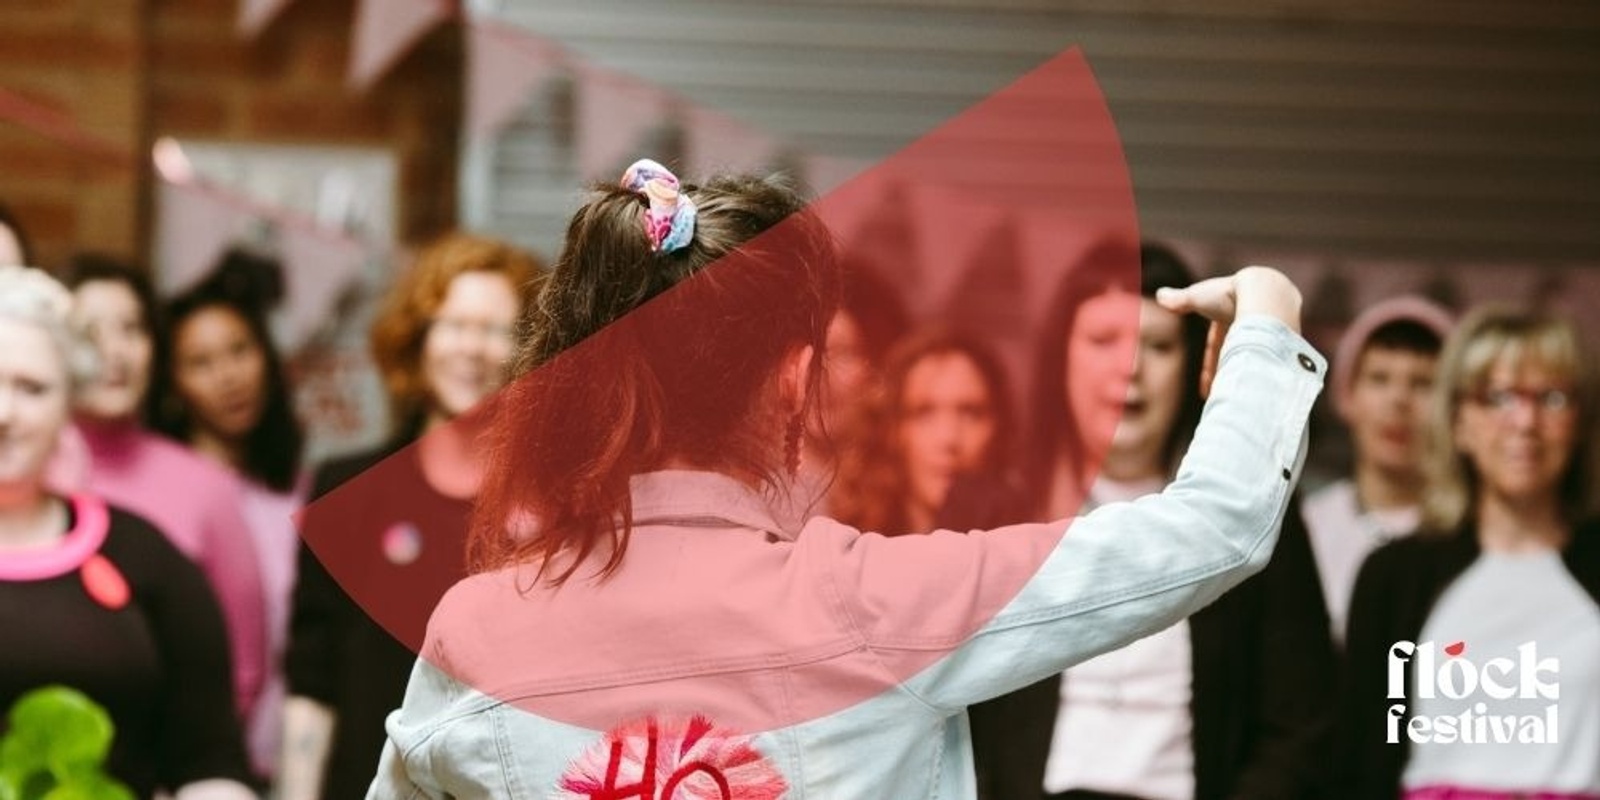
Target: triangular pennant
[(504, 66), (317, 266), (196, 226), (715, 142), (384, 30), (254, 15), (949, 227), (614, 112)]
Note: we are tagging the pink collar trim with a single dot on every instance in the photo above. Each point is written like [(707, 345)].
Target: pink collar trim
[(93, 521)]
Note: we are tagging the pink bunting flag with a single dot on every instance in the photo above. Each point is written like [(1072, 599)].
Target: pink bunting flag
[(384, 30), (196, 225), (715, 142), (255, 15), (504, 66), (614, 113), (318, 267)]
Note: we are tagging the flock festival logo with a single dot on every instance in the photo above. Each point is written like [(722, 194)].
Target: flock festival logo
[(1448, 672)]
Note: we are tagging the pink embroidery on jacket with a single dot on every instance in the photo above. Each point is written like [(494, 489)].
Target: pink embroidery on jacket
[(667, 759)]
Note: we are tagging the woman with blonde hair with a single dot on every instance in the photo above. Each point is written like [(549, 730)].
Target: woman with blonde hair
[(93, 597), (442, 344), (1463, 637)]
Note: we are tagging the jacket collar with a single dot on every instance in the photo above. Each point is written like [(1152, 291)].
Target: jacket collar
[(703, 499)]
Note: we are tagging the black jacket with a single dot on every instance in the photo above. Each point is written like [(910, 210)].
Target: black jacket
[(1394, 594), (1264, 674)]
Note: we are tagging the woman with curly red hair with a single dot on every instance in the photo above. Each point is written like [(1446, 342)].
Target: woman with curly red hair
[(941, 413), (442, 344)]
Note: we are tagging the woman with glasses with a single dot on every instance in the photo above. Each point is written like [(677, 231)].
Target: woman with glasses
[(1474, 650)]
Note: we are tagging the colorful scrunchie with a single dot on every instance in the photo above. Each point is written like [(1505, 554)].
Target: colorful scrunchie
[(669, 220)]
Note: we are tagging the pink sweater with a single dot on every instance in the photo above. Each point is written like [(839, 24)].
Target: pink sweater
[(199, 506)]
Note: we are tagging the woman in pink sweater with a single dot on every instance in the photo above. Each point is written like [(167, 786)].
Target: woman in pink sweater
[(197, 504)]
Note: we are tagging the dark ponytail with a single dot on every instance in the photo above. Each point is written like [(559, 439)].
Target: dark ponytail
[(638, 360)]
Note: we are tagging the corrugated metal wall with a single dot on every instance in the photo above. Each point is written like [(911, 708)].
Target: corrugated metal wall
[(1437, 131)]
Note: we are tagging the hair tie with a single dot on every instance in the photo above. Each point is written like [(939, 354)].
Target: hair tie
[(669, 219)]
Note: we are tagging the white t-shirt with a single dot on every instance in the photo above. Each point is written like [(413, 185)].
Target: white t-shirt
[(1342, 535), (1124, 724), (1502, 602)]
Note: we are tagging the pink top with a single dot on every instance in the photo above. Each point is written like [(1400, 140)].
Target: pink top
[(199, 506), (271, 517)]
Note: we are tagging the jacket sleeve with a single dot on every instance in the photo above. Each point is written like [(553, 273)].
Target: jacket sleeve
[(943, 612), (428, 755)]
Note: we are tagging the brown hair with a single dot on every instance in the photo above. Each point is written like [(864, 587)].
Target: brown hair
[(402, 326), (623, 376), (872, 488), (1052, 433)]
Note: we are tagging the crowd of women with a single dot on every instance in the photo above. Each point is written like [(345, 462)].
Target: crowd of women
[(151, 466)]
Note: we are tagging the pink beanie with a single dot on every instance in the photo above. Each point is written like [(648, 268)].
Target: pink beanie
[(1409, 308)]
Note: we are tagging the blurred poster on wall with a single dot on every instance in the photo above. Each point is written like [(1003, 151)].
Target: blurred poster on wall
[(326, 217)]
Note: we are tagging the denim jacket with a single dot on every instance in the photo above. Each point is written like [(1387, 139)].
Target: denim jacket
[(727, 658)]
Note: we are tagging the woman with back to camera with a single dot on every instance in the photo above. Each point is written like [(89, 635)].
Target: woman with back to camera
[(1502, 582), (442, 344), (1224, 704), (941, 413), (641, 627), (226, 396), (92, 597), (193, 501)]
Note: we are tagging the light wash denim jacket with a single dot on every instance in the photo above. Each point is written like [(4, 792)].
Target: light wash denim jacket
[(743, 662)]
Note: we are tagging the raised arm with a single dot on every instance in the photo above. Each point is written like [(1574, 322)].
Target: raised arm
[(1125, 571)]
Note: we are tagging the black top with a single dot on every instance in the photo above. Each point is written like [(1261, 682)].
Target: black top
[(1261, 699), (338, 654), (1395, 592), (132, 624)]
